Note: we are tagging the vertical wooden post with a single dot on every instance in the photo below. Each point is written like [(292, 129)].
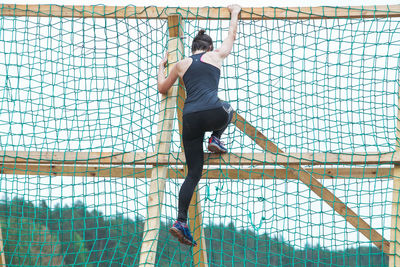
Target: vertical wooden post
[(394, 257), (2, 257), (196, 222), (195, 218), (164, 134)]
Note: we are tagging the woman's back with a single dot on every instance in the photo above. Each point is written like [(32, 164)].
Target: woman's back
[(201, 81)]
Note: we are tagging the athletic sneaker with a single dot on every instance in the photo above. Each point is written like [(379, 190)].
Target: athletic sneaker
[(215, 145), (181, 231)]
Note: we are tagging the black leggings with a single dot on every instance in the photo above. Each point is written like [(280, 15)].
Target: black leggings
[(194, 127)]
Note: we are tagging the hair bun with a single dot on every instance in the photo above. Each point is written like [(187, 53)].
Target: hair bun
[(202, 42)]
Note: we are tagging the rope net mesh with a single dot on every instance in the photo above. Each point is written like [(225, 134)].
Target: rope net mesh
[(90, 85)]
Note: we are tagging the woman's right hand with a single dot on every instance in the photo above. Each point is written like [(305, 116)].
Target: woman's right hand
[(234, 9)]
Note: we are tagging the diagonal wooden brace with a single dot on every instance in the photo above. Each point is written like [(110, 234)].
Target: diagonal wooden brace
[(315, 186)]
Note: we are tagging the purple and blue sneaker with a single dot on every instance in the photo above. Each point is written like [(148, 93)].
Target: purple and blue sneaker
[(181, 231), (216, 146)]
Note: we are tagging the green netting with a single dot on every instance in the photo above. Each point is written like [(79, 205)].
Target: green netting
[(90, 85)]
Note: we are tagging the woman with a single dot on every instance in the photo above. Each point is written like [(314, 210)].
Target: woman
[(203, 111)]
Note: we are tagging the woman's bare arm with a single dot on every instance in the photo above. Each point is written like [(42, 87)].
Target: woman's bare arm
[(227, 44), (165, 83)]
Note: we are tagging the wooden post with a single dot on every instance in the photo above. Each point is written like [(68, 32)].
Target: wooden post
[(307, 178), (2, 257), (196, 222), (394, 256), (164, 135), (195, 218)]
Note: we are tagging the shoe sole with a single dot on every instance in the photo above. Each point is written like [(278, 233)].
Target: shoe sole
[(181, 238), (215, 149)]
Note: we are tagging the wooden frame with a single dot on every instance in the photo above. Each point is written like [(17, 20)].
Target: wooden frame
[(165, 164), (194, 13), (394, 255), (2, 255), (164, 136), (173, 158), (309, 180), (208, 173)]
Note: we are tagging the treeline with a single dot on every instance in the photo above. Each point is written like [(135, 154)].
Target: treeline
[(77, 236)]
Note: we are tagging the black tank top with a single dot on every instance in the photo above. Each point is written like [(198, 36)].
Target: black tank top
[(201, 81)]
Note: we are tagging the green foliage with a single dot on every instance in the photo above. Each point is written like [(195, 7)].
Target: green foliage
[(30, 243), (75, 236)]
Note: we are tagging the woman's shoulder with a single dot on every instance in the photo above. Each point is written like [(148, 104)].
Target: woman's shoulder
[(185, 60), (183, 65), (212, 58)]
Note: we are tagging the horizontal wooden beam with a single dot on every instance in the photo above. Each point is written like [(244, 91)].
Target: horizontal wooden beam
[(177, 173), (194, 13), (150, 158)]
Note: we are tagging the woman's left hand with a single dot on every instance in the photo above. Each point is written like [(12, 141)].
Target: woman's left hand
[(164, 60)]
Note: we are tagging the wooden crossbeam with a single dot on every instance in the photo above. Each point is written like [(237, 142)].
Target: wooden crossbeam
[(308, 179), (178, 172), (195, 13), (169, 158)]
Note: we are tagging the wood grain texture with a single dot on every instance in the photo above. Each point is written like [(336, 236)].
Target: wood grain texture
[(159, 173), (394, 256), (269, 157), (208, 173), (194, 13)]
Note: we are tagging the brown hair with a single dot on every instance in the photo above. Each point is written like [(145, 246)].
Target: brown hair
[(202, 41)]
